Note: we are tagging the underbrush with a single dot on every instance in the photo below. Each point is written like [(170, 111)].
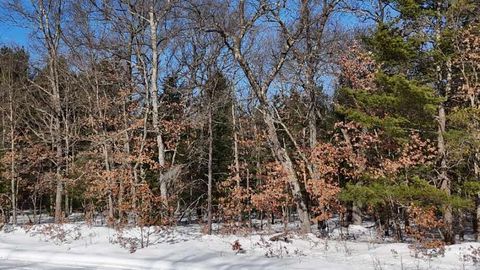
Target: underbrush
[(56, 233)]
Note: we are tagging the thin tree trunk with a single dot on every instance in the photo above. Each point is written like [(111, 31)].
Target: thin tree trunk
[(13, 183), (58, 199), (235, 149), (67, 200), (111, 214), (154, 101), (476, 171), (3, 130), (235, 143), (54, 78), (13, 187), (258, 168), (126, 164), (476, 220), (210, 161), (248, 203), (34, 203), (445, 183), (39, 209)]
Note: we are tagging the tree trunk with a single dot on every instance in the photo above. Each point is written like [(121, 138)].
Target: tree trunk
[(110, 220), (58, 200), (235, 148), (282, 156), (111, 214), (154, 101), (235, 143), (4, 135), (445, 182), (210, 175), (476, 220), (355, 211), (356, 214), (248, 203), (57, 144), (57, 134), (57, 139), (13, 183), (121, 190), (67, 207), (476, 172), (260, 87), (443, 178)]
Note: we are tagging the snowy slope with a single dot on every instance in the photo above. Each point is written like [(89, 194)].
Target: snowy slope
[(82, 247)]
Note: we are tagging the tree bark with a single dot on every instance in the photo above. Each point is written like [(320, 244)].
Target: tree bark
[(235, 143), (282, 156), (57, 144), (50, 26), (445, 183), (154, 101), (210, 173), (476, 172), (67, 207), (235, 149), (13, 184), (111, 214), (444, 180)]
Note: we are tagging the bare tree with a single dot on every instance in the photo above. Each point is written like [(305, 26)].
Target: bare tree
[(13, 76), (239, 27), (47, 17)]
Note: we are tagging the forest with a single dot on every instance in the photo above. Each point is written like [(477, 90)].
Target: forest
[(308, 115)]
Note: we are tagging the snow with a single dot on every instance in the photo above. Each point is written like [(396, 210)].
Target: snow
[(78, 246)]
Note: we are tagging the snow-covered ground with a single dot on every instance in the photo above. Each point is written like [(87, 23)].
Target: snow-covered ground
[(78, 246)]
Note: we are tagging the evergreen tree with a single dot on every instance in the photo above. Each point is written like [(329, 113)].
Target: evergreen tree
[(413, 82)]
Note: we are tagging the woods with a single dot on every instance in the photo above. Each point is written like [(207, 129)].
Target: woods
[(239, 114)]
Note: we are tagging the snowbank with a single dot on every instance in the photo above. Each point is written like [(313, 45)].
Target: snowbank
[(186, 248)]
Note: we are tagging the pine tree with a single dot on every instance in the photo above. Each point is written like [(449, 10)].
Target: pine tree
[(379, 93), (414, 75)]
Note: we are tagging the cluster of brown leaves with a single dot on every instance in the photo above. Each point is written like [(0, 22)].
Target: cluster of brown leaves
[(356, 150), (364, 152), (417, 151), (174, 129), (323, 189), (273, 194), (468, 62), (425, 229), (236, 199), (358, 68)]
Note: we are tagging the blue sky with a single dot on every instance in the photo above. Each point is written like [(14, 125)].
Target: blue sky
[(13, 35), (13, 32)]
